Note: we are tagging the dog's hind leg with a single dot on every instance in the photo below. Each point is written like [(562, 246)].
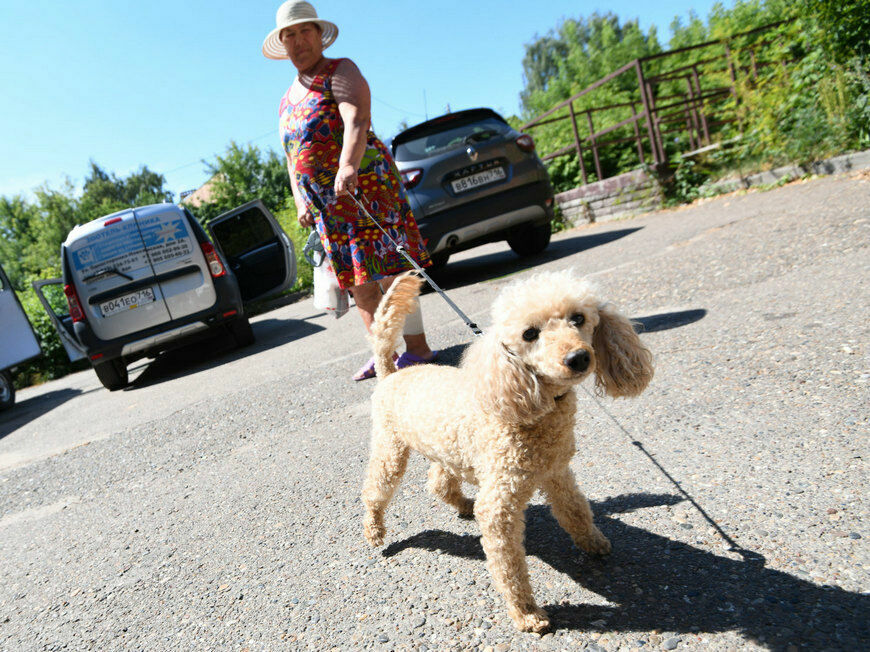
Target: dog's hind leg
[(572, 510), (389, 459), (499, 509), (448, 488)]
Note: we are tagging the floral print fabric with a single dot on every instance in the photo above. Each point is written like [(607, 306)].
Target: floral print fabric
[(312, 134)]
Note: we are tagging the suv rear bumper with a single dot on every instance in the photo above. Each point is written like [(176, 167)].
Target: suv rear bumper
[(488, 219), (227, 306)]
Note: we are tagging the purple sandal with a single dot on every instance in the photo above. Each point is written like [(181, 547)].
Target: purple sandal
[(368, 369), (409, 359)]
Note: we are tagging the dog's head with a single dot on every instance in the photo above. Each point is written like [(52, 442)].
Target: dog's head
[(550, 332)]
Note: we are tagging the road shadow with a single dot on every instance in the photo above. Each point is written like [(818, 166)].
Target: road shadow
[(25, 411), (667, 320), (657, 583), (219, 349), (468, 271)]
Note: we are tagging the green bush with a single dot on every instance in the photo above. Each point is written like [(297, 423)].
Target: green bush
[(685, 186), (299, 235)]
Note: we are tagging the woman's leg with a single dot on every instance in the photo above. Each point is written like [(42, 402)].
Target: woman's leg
[(368, 296)]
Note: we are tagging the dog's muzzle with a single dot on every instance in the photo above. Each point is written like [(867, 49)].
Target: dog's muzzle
[(577, 361)]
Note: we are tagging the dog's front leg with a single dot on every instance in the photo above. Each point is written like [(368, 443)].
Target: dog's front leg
[(499, 509), (571, 509)]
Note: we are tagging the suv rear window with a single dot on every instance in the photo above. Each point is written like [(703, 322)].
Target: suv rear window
[(438, 138)]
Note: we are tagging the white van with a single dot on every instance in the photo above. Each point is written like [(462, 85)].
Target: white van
[(18, 342), (144, 280)]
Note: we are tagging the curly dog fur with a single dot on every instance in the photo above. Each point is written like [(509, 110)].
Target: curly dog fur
[(504, 420)]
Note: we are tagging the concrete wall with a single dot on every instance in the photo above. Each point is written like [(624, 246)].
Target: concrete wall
[(626, 194)]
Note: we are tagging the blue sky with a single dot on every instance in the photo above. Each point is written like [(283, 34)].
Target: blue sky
[(168, 84)]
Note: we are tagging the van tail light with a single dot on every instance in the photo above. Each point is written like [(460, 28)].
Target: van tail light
[(75, 306), (215, 266), (411, 177), (526, 143)]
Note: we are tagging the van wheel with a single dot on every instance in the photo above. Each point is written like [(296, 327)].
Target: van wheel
[(112, 374), (241, 331), (7, 390), (530, 240)]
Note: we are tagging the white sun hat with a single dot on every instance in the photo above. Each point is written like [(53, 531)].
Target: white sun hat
[(294, 12)]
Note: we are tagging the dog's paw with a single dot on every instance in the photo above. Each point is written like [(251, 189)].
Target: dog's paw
[(536, 621), (374, 534), (596, 543), (467, 508)]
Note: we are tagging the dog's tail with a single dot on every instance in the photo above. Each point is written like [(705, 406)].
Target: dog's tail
[(399, 302)]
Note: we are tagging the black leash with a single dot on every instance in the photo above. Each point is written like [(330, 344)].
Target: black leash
[(748, 555), (474, 327)]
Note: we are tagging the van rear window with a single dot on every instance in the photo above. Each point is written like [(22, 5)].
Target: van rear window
[(243, 232)]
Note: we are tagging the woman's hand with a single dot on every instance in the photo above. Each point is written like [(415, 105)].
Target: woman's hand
[(346, 180), (304, 217)]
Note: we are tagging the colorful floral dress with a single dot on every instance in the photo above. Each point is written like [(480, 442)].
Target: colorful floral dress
[(312, 134)]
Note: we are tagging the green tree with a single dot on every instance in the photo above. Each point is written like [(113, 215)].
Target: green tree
[(244, 173), (566, 60), (844, 27), (105, 193)]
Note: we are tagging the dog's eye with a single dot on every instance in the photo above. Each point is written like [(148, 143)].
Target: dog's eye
[(578, 320), (531, 334)]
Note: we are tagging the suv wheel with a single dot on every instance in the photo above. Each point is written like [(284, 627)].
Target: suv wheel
[(7, 390), (241, 331), (439, 260), (112, 374), (530, 240)]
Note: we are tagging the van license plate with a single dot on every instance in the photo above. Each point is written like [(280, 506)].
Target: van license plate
[(480, 179), (127, 302)]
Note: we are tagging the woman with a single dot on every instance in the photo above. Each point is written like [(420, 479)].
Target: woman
[(331, 153)]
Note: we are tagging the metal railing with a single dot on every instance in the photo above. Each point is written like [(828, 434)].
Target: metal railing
[(692, 119)]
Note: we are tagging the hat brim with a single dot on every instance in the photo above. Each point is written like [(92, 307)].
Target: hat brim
[(274, 49)]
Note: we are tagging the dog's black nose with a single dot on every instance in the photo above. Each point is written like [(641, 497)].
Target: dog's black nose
[(577, 360)]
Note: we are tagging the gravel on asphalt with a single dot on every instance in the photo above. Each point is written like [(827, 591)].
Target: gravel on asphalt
[(235, 522)]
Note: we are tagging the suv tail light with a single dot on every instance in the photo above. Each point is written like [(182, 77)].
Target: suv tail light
[(526, 143), (215, 266), (75, 306), (411, 177)]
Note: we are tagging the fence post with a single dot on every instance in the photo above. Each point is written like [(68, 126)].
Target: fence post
[(594, 144), (701, 105), (657, 125), (649, 125), (695, 128), (637, 134), (577, 143)]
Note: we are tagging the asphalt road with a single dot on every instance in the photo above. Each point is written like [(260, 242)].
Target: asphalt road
[(215, 503)]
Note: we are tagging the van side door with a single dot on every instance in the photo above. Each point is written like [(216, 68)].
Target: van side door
[(50, 294), (18, 342), (256, 248)]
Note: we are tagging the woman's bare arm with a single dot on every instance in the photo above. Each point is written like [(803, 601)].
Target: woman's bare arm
[(303, 215), (351, 92)]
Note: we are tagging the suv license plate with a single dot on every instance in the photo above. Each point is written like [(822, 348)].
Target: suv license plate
[(127, 302), (476, 180)]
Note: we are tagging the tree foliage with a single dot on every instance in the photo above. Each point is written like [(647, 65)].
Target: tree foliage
[(244, 173), (801, 91)]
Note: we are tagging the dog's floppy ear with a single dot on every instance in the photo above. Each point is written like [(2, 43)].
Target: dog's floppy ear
[(624, 365), (503, 384)]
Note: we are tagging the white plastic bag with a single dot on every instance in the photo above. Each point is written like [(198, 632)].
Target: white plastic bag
[(328, 295)]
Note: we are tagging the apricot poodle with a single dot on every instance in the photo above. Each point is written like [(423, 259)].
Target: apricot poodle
[(503, 420)]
